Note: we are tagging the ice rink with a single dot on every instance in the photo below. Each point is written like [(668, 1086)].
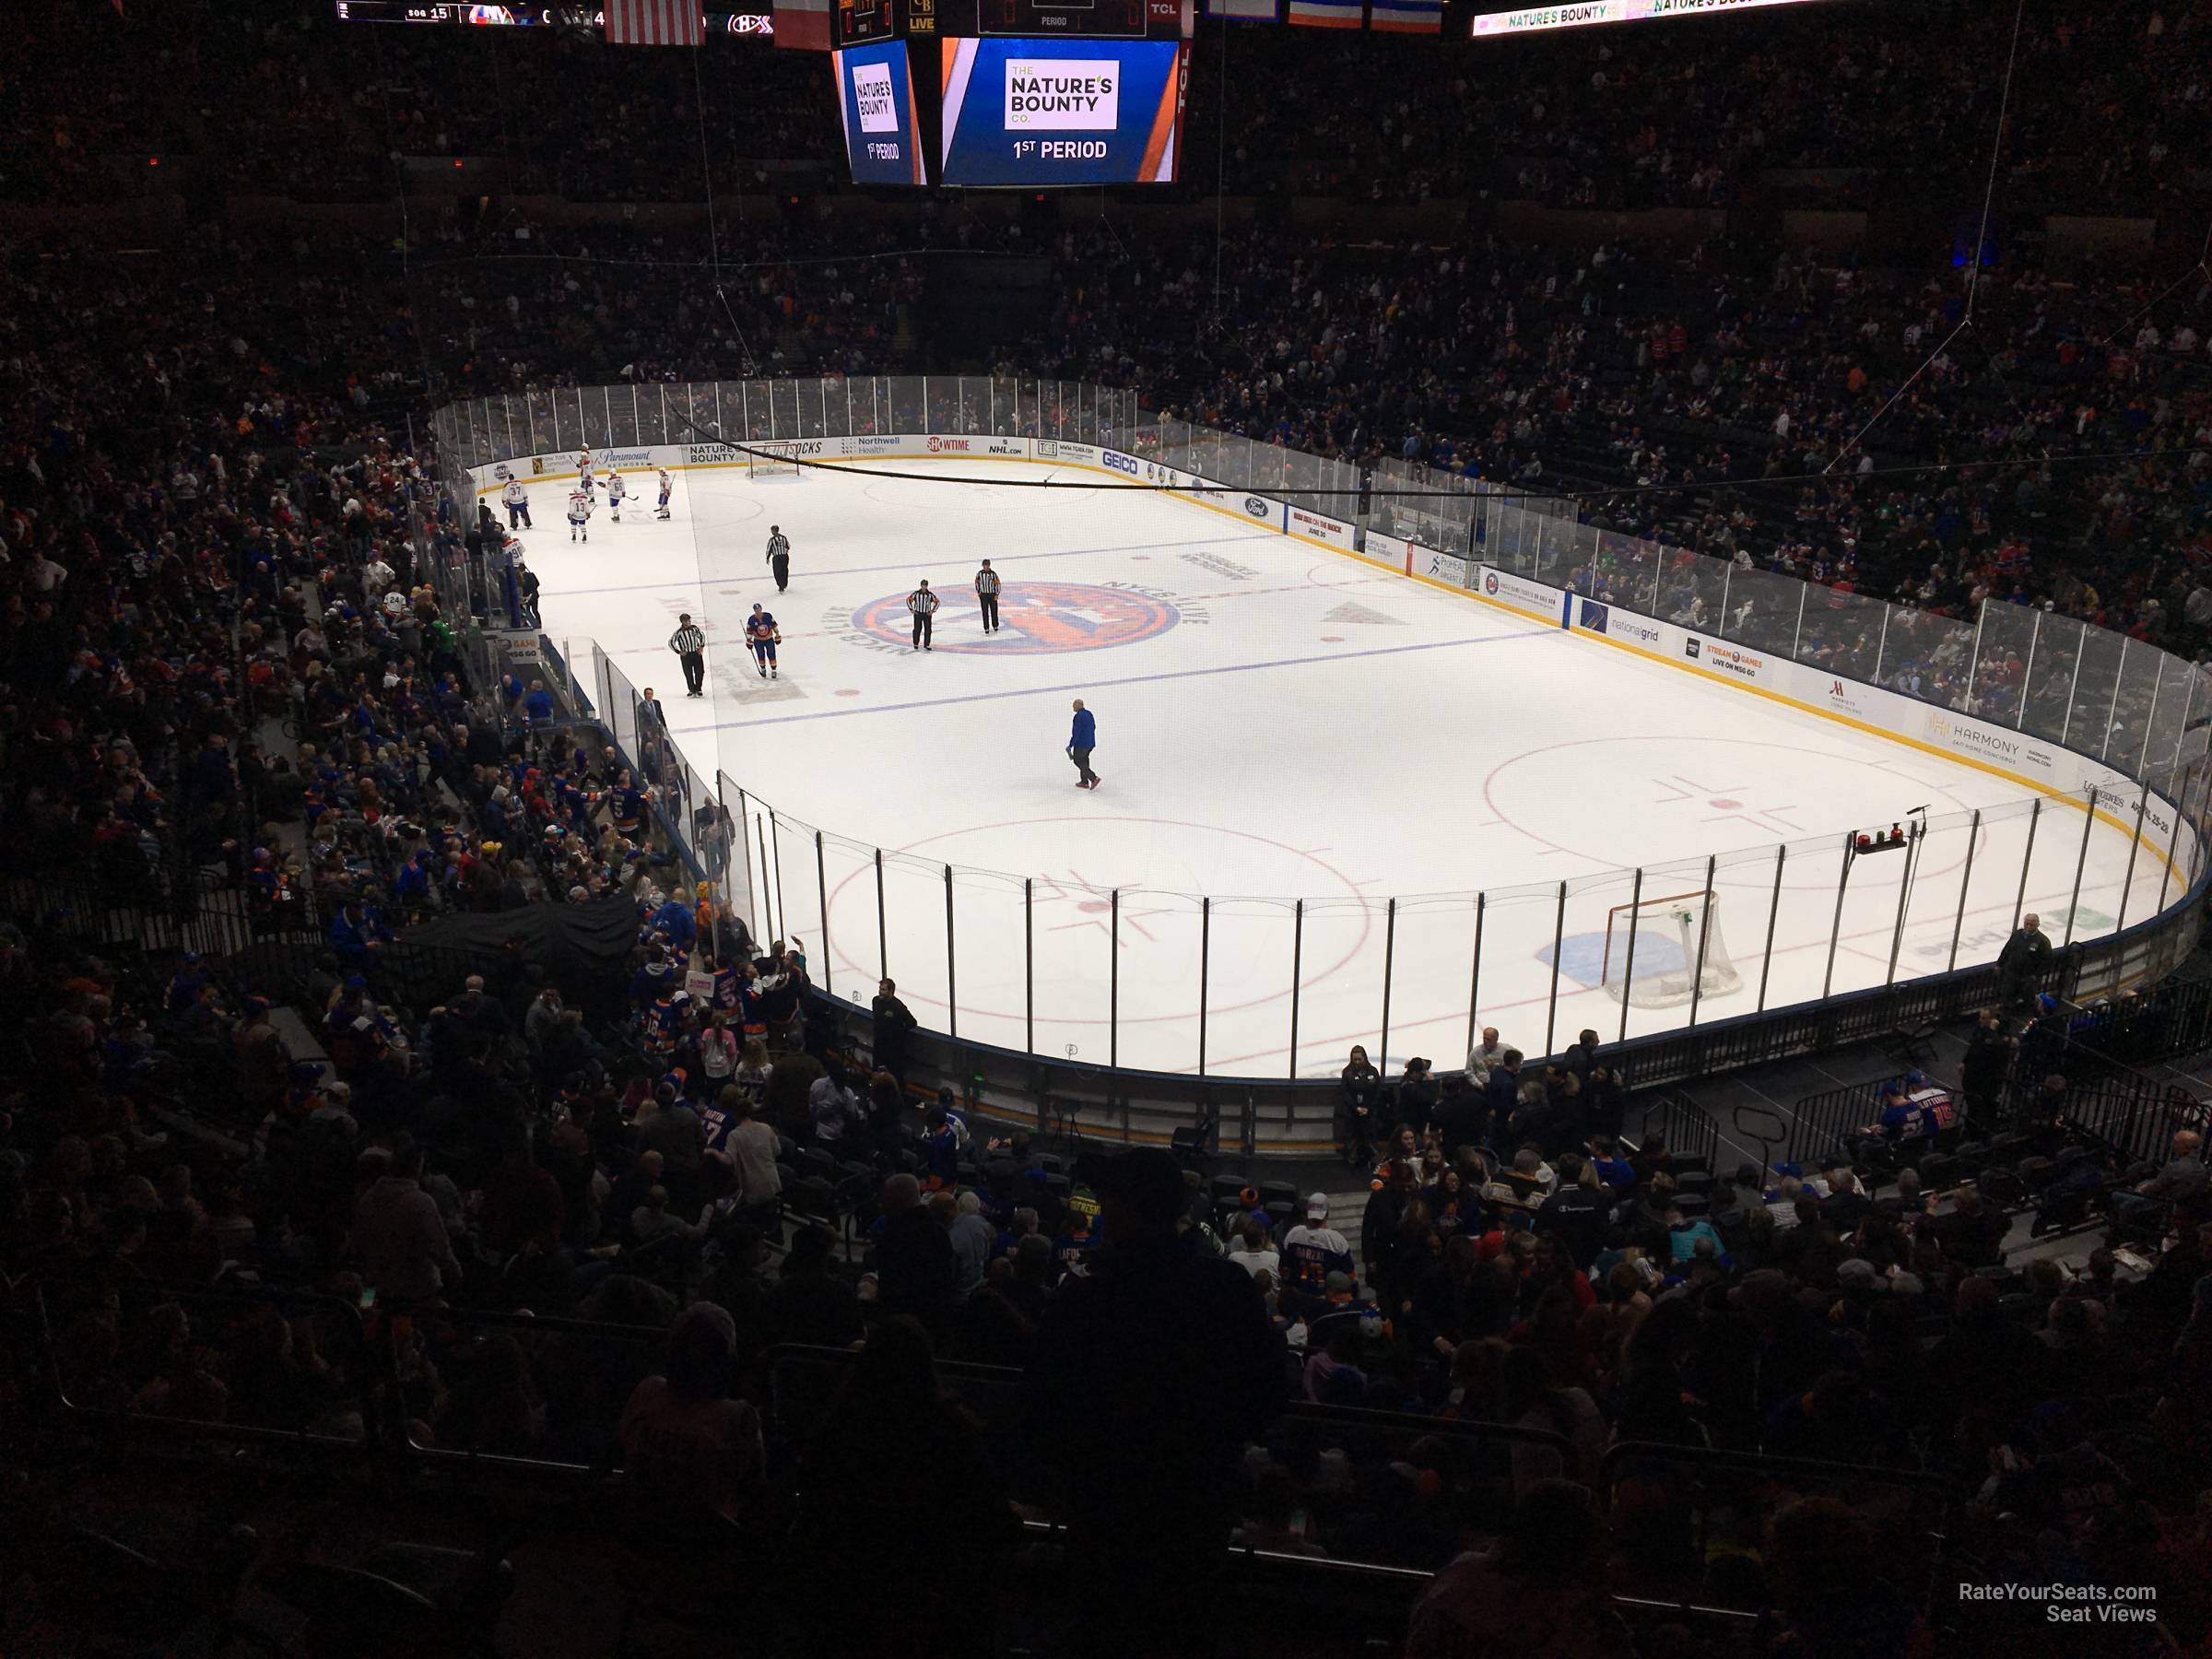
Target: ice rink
[(1275, 722)]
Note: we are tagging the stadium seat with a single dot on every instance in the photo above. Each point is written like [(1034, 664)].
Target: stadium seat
[(1940, 1171), (2003, 1187)]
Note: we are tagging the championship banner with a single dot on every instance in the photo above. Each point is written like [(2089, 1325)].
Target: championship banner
[(1328, 13), (1406, 17), (802, 24)]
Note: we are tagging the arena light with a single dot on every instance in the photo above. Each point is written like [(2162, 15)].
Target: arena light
[(1582, 13)]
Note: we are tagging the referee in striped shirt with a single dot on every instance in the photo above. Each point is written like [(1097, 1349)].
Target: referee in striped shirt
[(987, 595), (690, 645)]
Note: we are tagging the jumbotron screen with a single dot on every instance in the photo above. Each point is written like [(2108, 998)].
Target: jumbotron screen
[(1032, 113), (1581, 14), (875, 101)]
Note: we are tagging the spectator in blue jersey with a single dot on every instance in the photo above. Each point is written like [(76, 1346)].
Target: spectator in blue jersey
[(1147, 1432), (1616, 1170), (537, 704), (1907, 1126), (1072, 1248), (625, 803), (674, 919), (356, 933), (656, 977), (1312, 1250), (944, 1135)]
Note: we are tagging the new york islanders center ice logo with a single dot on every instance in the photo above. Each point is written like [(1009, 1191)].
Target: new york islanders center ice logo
[(1035, 617)]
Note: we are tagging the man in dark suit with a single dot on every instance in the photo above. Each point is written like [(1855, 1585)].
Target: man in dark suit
[(1501, 1094), (2021, 963)]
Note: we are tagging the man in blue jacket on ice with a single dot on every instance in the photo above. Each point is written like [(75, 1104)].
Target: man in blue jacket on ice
[(1080, 743)]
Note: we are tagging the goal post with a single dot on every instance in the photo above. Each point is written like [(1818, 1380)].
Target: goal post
[(773, 461), (1677, 953)]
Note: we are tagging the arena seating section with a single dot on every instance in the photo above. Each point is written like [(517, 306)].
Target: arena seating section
[(204, 458)]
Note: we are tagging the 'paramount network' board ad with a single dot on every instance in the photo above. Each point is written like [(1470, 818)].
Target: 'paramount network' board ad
[(876, 97), (1042, 113)]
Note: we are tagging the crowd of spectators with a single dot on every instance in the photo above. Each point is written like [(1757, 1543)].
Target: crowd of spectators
[(227, 664), (1839, 107)]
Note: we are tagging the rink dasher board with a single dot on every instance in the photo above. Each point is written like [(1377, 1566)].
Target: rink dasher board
[(2060, 773)]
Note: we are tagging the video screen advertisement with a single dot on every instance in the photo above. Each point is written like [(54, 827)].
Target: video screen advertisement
[(1036, 113), (876, 99)]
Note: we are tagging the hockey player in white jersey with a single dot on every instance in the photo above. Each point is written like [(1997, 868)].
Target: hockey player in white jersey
[(667, 490), (516, 499), (580, 515), (616, 492), (585, 480)]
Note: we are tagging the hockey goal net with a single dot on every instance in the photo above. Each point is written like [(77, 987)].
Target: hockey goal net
[(773, 461), (1658, 951)]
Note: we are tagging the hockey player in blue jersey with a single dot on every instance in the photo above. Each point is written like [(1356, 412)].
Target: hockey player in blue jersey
[(764, 635)]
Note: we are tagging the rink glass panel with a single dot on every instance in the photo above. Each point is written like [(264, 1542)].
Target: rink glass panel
[(2116, 699)]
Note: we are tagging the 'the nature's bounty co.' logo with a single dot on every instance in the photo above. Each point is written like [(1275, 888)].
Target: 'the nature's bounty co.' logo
[(1063, 94)]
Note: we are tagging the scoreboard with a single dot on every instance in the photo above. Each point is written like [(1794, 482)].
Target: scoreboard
[(1013, 94), (1095, 19), (1023, 111), (1077, 20), (858, 22)]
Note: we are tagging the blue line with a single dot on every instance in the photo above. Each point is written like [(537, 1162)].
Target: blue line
[(1135, 679), (1262, 533)]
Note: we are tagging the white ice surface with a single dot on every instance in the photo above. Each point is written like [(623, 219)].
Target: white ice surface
[(1275, 722)]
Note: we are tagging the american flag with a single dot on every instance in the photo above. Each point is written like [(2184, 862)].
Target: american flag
[(655, 23)]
